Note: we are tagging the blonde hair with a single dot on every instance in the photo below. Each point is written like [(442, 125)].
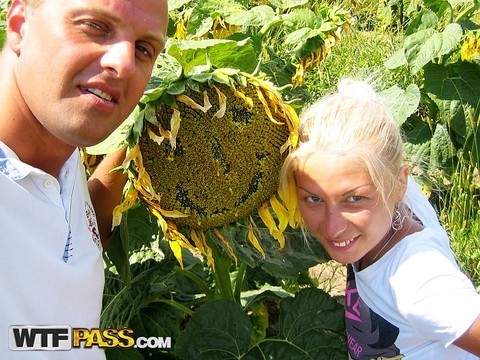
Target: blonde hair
[(355, 123)]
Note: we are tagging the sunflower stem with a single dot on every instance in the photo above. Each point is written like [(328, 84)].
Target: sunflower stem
[(176, 305), (242, 269), (221, 272), (197, 280)]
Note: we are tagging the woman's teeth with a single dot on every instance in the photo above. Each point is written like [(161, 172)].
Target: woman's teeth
[(342, 244)]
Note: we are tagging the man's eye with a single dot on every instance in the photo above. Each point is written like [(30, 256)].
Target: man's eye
[(96, 26), (146, 50)]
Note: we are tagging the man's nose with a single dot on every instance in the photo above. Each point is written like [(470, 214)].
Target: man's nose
[(119, 59)]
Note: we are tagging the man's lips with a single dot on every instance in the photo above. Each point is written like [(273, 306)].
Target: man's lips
[(109, 95)]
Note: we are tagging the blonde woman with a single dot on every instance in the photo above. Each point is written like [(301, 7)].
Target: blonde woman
[(405, 295)]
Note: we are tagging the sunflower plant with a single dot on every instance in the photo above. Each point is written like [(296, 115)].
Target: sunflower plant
[(201, 222)]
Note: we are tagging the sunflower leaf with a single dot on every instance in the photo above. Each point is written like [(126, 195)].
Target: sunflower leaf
[(217, 53)]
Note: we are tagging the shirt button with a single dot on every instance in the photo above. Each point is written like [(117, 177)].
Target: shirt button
[(48, 184)]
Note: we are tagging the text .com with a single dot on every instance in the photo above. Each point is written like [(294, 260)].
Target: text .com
[(64, 337)]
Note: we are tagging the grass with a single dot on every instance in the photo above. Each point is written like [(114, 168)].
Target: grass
[(460, 214), (358, 55)]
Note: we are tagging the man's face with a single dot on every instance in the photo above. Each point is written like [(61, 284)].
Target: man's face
[(84, 64)]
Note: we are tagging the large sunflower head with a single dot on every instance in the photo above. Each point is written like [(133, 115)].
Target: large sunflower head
[(211, 155)]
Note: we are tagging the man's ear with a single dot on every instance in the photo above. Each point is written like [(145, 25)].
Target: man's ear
[(403, 182), (15, 25)]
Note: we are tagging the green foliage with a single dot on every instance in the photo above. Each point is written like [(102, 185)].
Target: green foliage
[(431, 52), (267, 307), (310, 327), (440, 51), (153, 296)]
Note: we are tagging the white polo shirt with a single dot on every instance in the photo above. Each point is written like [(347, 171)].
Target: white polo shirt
[(51, 268)]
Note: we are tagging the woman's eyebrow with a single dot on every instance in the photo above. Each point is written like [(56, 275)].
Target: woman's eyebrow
[(354, 189), (308, 191)]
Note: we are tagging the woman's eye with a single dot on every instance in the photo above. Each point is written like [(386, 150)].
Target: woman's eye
[(313, 199), (355, 199)]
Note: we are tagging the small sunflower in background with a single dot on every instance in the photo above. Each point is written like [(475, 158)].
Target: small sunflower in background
[(208, 156), (470, 49)]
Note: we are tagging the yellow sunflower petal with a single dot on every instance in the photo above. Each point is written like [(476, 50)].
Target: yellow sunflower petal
[(269, 221), (289, 198), (222, 100), (174, 126), (126, 204), (280, 211), (201, 244), (242, 96), (226, 243), (132, 154), (253, 239), (177, 251), (155, 137), (190, 102)]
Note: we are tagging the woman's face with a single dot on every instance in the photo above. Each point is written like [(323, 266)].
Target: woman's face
[(340, 206)]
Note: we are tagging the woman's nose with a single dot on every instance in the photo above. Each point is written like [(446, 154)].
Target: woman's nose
[(335, 223)]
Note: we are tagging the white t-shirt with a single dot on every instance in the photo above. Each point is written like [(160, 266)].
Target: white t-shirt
[(51, 268), (414, 302)]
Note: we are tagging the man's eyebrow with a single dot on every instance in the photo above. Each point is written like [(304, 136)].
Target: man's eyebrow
[(355, 189), (159, 38)]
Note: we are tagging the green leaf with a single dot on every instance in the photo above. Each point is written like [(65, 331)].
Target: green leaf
[(455, 91), (317, 314), (311, 327), (218, 330), (136, 229), (177, 4), (121, 307), (300, 36), (219, 53), (290, 4), (455, 82), (419, 153), (441, 148), (299, 254), (123, 354), (301, 18), (257, 16), (206, 11), (426, 19), (397, 60), (402, 103), (426, 45), (416, 131)]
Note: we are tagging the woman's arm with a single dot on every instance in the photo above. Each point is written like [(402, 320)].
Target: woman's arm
[(106, 190)]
